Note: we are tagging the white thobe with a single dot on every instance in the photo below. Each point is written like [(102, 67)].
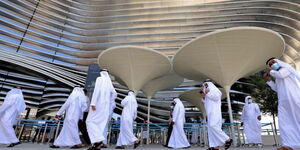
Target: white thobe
[(287, 87), (252, 126), (96, 121), (8, 115), (216, 136), (111, 111), (74, 108), (129, 114), (178, 138)]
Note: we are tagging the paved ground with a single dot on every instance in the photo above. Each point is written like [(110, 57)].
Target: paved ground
[(27, 146)]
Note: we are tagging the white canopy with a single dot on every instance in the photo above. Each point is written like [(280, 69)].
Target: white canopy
[(134, 65), (168, 81), (193, 97), (228, 55)]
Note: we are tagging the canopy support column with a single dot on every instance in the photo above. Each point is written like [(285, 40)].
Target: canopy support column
[(227, 89)]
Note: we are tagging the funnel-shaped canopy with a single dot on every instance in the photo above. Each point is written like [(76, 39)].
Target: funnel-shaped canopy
[(165, 82), (193, 97), (228, 55), (134, 65)]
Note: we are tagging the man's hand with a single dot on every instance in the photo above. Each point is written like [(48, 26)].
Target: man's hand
[(269, 68), (259, 118), (57, 116), (93, 108), (206, 91), (172, 123), (202, 95), (267, 77)]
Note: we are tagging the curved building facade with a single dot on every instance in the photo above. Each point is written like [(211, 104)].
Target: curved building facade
[(46, 45)]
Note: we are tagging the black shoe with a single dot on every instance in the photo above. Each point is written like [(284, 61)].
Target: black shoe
[(137, 144), (13, 144), (228, 144), (94, 148), (76, 147), (54, 146), (212, 148), (120, 147)]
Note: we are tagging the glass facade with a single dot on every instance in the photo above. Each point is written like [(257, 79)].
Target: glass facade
[(46, 45)]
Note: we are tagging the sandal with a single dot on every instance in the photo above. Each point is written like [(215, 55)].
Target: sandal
[(136, 144), (212, 148), (13, 144), (228, 144), (76, 147), (120, 147), (94, 148), (54, 146)]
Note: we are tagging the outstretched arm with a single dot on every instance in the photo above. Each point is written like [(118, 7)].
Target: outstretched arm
[(213, 96), (272, 84), (63, 108), (281, 73)]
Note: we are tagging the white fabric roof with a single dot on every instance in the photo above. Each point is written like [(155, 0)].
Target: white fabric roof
[(193, 97), (134, 65), (168, 81), (228, 55)]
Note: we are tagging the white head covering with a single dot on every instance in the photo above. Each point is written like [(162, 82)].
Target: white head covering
[(107, 79), (247, 99), (105, 85), (19, 100), (178, 102), (212, 88), (289, 67), (131, 103), (78, 94), (179, 107)]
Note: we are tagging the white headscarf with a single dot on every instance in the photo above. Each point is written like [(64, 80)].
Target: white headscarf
[(78, 94), (106, 89), (178, 102), (212, 88), (289, 67), (107, 84), (130, 102), (134, 104), (19, 103), (247, 99), (179, 107)]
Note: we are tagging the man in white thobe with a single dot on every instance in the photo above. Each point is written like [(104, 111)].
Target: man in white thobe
[(74, 107), (287, 86), (251, 121), (178, 138), (100, 106), (12, 106), (111, 112), (129, 114), (212, 102)]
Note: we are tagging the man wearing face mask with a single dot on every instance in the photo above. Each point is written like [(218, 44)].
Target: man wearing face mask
[(251, 120), (287, 86)]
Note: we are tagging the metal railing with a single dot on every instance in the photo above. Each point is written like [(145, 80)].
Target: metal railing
[(46, 131)]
